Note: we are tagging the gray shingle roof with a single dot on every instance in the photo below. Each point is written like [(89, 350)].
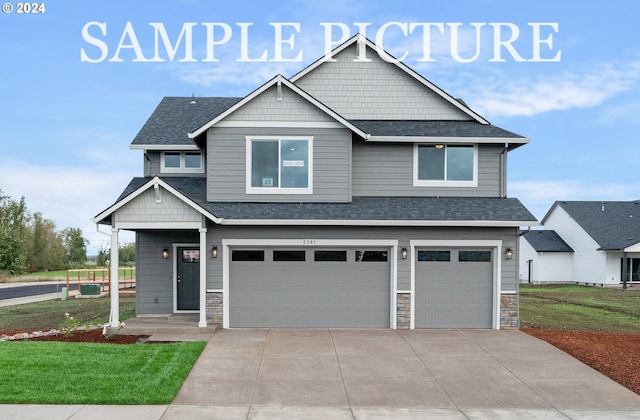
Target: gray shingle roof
[(546, 241), (361, 208), (428, 128), (174, 117), (612, 224)]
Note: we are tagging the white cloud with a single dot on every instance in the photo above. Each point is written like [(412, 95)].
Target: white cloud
[(538, 196), (68, 196), (496, 94)]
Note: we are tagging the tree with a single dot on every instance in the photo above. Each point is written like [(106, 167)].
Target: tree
[(47, 251), (13, 218), (127, 254), (75, 247)]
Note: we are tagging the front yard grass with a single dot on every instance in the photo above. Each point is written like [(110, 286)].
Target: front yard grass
[(580, 308), (85, 373), (50, 314)]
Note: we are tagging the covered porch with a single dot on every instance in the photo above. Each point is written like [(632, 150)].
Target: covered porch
[(171, 258)]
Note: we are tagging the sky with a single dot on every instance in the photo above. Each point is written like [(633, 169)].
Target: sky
[(79, 79)]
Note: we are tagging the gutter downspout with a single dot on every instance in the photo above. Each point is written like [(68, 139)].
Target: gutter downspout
[(503, 171)]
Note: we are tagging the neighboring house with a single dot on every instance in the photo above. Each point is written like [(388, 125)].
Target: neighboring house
[(605, 237), (354, 194), (544, 258)]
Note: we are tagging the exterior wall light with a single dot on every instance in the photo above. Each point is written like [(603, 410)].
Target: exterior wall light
[(165, 253), (508, 253), (214, 252), (405, 253)]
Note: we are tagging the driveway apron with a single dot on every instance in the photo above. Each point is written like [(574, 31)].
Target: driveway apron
[(352, 371)]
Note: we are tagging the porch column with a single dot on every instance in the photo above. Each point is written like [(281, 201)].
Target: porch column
[(203, 277), (114, 287)]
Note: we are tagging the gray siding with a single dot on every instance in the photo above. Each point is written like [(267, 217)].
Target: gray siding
[(375, 90), (154, 275), (383, 169), (403, 235), (226, 164), (152, 163), (266, 107), (144, 208)]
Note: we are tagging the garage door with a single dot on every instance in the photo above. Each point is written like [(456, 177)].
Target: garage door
[(332, 287), (454, 288)]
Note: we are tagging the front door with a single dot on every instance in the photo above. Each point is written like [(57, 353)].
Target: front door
[(188, 286)]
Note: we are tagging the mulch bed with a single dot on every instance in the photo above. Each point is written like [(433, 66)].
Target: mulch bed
[(93, 336), (615, 355)]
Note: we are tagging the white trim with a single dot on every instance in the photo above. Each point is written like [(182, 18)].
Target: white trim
[(360, 39), (496, 246), (249, 189), (453, 140), (174, 147), (215, 291), (159, 225), (114, 286), (175, 247), (444, 183), (509, 292), (279, 79), (326, 222), (143, 188), (202, 322), (307, 243), (280, 124), (182, 169)]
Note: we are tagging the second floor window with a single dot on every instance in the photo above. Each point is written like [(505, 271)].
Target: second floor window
[(279, 165), (445, 165), (186, 162)]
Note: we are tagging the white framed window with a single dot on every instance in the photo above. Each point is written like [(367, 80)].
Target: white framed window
[(181, 162), (279, 165), (442, 165)]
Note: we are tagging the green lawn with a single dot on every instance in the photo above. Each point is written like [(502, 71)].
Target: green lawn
[(83, 373), (50, 314), (580, 308)]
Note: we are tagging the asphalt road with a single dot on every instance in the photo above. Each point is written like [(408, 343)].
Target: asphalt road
[(33, 290)]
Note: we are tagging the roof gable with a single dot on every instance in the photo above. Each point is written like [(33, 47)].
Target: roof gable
[(613, 225), (383, 87), (278, 82)]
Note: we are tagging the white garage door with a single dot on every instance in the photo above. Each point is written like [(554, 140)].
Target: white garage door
[(309, 287), (454, 288)]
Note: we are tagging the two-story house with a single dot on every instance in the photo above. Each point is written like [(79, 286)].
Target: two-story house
[(354, 194)]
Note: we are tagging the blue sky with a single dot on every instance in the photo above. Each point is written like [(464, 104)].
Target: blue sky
[(66, 125)]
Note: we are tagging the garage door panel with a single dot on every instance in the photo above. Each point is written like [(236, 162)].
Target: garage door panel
[(453, 294), (309, 294)]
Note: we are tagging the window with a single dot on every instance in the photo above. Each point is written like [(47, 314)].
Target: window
[(289, 255), (185, 162), (190, 256), (440, 165), (434, 256), (633, 269), (279, 165), (247, 255), (330, 256), (372, 256), (474, 256)]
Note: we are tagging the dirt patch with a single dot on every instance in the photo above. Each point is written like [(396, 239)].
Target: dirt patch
[(93, 336), (615, 355)]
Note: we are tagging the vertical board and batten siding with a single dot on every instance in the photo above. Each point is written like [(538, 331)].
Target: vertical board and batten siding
[(152, 167), (384, 169), (145, 209), (375, 90), (154, 275), (588, 263), (508, 236), (526, 253), (226, 164)]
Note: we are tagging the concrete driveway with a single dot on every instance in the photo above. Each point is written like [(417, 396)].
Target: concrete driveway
[(336, 373)]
